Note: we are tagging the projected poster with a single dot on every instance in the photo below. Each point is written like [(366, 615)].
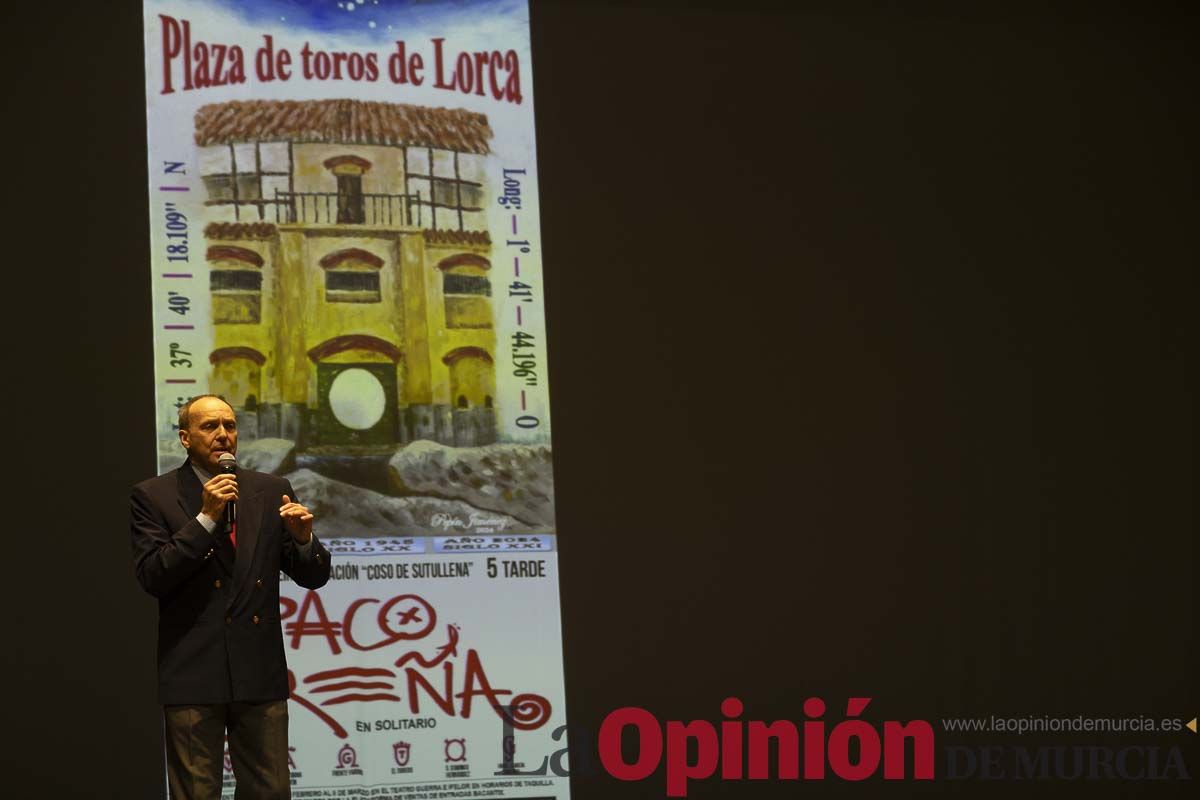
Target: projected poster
[(345, 246)]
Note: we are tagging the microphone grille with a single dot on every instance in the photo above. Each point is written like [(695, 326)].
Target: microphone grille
[(227, 461)]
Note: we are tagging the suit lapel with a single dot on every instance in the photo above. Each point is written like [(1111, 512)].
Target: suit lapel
[(191, 491), (191, 500)]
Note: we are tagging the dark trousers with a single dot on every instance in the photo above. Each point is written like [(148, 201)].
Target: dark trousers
[(258, 750)]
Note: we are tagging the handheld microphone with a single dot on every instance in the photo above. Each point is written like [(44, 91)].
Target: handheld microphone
[(227, 463)]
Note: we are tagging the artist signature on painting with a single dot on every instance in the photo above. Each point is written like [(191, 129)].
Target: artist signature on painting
[(476, 522)]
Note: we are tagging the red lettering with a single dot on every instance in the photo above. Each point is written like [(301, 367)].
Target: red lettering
[(172, 45), (322, 66), (650, 743), (814, 740), (204, 64), (731, 740), (495, 64), (418, 611), (463, 75), (328, 720), (282, 63), (695, 749), (894, 735), (868, 744), (678, 769), (411, 617), (218, 76), (445, 701), (322, 627), (200, 56), (439, 79), (868, 750), (788, 747), (397, 66), (476, 73), (264, 60), (237, 66), (348, 626), (412, 613), (188, 82), (481, 61), (475, 675), (512, 87), (416, 65), (306, 61)]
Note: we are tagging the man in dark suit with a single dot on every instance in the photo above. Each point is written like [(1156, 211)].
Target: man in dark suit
[(221, 660)]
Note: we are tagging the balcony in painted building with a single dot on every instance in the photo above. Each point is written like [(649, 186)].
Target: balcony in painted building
[(413, 210), (335, 208)]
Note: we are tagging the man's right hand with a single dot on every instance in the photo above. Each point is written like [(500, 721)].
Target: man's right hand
[(217, 492)]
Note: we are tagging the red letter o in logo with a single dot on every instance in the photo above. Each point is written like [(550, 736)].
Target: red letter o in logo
[(650, 743)]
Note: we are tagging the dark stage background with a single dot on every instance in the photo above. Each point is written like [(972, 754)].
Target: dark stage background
[(871, 343)]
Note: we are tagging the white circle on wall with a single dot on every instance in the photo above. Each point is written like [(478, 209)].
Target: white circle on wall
[(357, 399)]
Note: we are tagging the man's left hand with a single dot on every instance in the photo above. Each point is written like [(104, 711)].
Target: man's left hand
[(297, 519)]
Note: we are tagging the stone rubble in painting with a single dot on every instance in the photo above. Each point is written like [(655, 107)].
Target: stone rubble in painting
[(267, 455), (434, 489), (344, 510), (513, 479)]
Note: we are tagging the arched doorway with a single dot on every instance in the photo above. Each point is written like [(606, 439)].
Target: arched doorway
[(472, 393), (358, 387), (237, 376)]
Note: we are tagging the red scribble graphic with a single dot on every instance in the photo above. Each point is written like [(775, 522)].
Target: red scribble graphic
[(361, 698), (405, 617), (331, 680), (450, 648), (345, 672), (337, 687), (410, 616), (529, 712), (409, 622)]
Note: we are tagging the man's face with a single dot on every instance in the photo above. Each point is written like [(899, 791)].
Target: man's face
[(211, 431)]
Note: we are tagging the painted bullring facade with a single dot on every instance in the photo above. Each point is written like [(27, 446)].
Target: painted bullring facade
[(349, 265)]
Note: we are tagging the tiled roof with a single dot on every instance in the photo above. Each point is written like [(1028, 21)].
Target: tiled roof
[(342, 122), (457, 237), (239, 230)]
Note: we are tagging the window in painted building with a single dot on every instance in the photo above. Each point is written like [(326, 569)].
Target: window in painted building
[(454, 283), (236, 295), (350, 200), (346, 286), (252, 180), (447, 186)]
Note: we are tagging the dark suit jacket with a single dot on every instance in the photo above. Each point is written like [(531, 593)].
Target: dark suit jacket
[(219, 634)]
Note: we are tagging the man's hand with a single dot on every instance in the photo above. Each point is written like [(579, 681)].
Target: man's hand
[(217, 492), (297, 519)]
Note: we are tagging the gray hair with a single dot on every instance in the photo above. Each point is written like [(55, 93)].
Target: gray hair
[(186, 408)]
